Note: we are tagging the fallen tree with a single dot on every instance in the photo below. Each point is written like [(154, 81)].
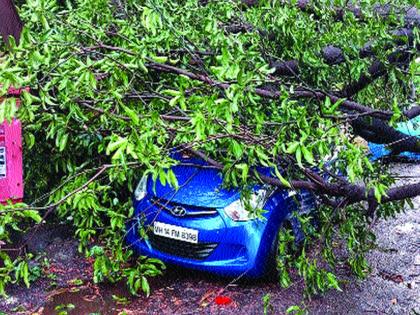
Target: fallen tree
[(117, 86)]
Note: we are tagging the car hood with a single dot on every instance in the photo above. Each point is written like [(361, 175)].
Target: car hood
[(198, 186)]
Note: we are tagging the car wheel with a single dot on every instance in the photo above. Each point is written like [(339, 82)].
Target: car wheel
[(271, 269)]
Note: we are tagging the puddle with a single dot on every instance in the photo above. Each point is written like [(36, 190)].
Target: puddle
[(87, 300)]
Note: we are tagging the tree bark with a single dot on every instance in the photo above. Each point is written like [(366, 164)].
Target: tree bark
[(10, 23), (378, 131)]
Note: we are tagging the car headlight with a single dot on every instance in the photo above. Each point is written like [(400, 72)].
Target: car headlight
[(141, 189), (237, 210)]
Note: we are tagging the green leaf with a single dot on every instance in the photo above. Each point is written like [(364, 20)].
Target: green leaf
[(377, 193), (293, 308), (292, 147), (160, 59), (63, 142), (172, 179), (281, 178), (307, 155), (114, 145), (33, 214), (145, 286), (299, 156), (174, 101), (171, 92), (134, 116)]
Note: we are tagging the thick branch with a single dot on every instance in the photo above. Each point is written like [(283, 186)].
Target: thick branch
[(352, 192), (378, 131), (403, 192), (10, 23)]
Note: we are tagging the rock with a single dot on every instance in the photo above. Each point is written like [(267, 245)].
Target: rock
[(39, 239), (417, 260), (57, 240), (64, 252), (359, 141), (405, 228)]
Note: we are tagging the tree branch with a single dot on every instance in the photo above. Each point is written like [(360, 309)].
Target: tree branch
[(300, 92), (352, 192), (10, 23)]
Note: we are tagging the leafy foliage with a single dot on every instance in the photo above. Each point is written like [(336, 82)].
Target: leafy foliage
[(113, 92)]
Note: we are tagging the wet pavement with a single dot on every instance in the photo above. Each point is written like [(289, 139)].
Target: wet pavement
[(393, 287)]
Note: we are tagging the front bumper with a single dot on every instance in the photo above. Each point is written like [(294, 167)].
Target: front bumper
[(241, 248)]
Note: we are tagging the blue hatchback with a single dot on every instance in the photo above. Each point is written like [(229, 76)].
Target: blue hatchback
[(411, 128), (206, 227)]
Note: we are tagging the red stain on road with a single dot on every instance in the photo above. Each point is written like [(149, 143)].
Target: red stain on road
[(223, 300)]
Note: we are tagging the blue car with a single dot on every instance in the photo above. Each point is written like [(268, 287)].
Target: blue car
[(204, 226), (411, 128)]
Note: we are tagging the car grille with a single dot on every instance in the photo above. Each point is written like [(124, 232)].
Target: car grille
[(190, 211), (180, 248)]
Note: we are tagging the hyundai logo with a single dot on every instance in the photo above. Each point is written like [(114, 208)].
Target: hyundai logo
[(178, 211)]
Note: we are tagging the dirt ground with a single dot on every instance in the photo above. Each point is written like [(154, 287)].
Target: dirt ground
[(393, 287)]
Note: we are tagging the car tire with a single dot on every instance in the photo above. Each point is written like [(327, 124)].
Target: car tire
[(293, 224), (271, 267)]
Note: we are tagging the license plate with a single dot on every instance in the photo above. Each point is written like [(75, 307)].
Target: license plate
[(175, 232)]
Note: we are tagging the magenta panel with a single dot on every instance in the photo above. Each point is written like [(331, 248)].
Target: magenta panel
[(11, 174), (16, 92)]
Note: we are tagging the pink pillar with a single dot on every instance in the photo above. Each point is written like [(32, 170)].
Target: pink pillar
[(11, 168)]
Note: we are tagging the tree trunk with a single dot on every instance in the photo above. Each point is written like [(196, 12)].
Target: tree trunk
[(10, 23)]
